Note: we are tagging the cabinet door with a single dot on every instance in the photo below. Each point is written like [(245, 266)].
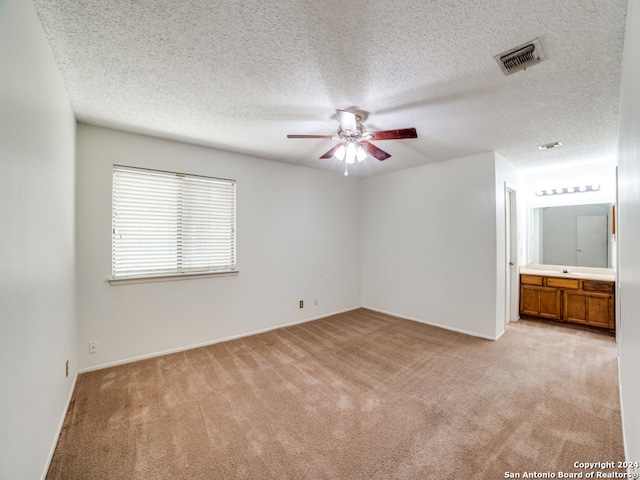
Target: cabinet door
[(589, 308), (600, 310), (529, 300), (550, 303), (540, 301), (575, 307)]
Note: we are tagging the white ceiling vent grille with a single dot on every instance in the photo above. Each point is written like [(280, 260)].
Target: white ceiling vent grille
[(521, 57)]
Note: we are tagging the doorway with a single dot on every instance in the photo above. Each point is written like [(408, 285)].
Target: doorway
[(591, 242), (511, 256)]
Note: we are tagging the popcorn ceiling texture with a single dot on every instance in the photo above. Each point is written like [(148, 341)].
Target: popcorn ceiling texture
[(240, 75)]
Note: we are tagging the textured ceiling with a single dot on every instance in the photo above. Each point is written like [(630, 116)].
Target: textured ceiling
[(239, 75)]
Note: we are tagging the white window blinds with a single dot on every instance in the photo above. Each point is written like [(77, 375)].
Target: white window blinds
[(171, 223)]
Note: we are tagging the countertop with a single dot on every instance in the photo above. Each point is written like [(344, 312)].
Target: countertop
[(586, 273)]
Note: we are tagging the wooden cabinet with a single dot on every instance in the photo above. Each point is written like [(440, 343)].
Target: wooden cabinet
[(589, 308), (540, 301), (587, 302)]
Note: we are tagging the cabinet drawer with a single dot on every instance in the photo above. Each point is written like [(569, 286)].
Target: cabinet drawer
[(598, 286), (563, 282), (531, 280)]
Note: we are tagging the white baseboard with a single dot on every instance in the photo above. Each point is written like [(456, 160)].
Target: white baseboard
[(207, 343), (268, 329), (225, 339), (630, 470), (433, 324), (59, 429)]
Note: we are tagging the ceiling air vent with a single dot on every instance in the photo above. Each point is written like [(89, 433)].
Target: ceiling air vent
[(521, 57)]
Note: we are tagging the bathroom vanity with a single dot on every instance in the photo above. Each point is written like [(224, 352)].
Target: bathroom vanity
[(578, 295)]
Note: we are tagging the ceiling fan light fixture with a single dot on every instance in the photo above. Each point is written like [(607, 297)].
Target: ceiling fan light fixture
[(350, 152), (355, 145), (360, 153), (350, 156), (340, 153)]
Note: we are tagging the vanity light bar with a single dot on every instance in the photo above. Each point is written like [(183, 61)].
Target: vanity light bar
[(559, 191)]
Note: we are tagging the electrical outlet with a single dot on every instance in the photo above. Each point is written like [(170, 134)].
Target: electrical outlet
[(66, 369), (301, 303), (93, 346)]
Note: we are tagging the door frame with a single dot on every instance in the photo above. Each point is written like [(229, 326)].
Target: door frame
[(511, 283)]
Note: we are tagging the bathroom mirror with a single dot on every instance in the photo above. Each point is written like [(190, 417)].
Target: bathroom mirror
[(574, 235)]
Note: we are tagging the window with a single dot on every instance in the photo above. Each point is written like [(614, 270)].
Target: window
[(168, 224)]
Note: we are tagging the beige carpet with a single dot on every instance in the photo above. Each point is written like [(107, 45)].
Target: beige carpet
[(360, 395)]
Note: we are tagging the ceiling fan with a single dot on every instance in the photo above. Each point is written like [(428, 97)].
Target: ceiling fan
[(355, 146)]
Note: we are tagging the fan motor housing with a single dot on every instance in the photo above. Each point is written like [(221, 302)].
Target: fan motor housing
[(360, 133)]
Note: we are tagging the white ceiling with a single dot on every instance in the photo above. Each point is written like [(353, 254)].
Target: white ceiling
[(239, 75)]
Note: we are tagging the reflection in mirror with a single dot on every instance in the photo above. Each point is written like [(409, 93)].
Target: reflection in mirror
[(575, 235)]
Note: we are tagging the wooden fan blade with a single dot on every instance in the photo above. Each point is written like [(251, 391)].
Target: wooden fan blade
[(347, 120), (374, 151), (330, 153), (395, 134), (310, 136)]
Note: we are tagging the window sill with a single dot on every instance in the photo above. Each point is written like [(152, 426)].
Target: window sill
[(169, 277)]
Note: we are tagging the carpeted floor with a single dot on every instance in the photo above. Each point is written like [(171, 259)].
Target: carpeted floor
[(360, 395)]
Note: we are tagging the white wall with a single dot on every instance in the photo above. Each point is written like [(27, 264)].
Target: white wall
[(507, 176), (429, 244), (602, 173), (298, 239), (37, 266), (629, 234)]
